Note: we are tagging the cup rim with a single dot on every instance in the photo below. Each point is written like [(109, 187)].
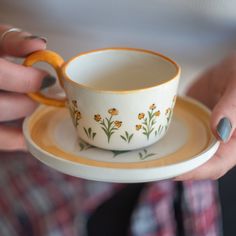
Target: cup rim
[(66, 64)]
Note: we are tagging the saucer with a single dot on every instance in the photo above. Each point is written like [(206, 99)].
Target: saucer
[(51, 138)]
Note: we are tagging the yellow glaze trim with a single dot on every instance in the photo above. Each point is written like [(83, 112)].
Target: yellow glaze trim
[(56, 62), (40, 131), (67, 78)]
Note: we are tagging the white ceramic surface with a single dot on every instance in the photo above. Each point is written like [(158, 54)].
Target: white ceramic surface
[(188, 144), (118, 98)]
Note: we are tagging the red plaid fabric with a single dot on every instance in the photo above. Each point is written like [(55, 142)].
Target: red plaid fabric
[(155, 216), (36, 200)]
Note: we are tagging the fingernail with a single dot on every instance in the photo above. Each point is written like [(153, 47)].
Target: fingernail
[(48, 81), (30, 37), (224, 128)]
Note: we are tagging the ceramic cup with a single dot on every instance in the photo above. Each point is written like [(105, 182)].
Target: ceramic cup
[(118, 98)]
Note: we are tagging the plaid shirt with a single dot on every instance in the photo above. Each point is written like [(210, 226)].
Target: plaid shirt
[(36, 200)]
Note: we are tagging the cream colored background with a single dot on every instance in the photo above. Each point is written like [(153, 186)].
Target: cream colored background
[(195, 33)]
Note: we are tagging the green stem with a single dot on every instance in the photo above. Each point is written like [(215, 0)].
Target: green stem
[(103, 123), (109, 124), (149, 126), (109, 128)]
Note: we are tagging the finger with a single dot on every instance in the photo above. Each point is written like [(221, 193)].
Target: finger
[(217, 166), (208, 87), (207, 171), (11, 139), (20, 44), (223, 119), (18, 78), (15, 106)]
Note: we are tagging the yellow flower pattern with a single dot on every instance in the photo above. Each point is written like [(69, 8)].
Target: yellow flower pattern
[(74, 102), (108, 125), (147, 121), (157, 113), (138, 127), (97, 117), (118, 123), (168, 110), (152, 107), (141, 116), (150, 119), (75, 113), (113, 111)]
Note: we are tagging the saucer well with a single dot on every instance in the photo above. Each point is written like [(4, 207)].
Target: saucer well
[(51, 138)]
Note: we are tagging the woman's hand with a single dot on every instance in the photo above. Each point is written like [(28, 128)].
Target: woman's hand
[(15, 81), (216, 88)]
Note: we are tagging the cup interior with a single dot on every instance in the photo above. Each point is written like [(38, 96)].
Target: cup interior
[(120, 69)]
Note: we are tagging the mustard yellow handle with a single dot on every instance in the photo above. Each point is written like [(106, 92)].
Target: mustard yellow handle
[(56, 62)]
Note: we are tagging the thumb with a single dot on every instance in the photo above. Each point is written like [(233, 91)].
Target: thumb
[(223, 119)]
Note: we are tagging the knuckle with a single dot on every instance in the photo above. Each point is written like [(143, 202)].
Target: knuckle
[(32, 82), (28, 84), (18, 78)]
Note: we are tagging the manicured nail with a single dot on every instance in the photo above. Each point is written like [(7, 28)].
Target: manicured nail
[(48, 81), (31, 37), (224, 128)]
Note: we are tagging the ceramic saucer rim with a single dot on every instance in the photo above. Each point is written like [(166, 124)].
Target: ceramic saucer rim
[(211, 148)]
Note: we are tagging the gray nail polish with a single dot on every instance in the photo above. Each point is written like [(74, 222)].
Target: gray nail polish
[(48, 81), (224, 128), (31, 37)]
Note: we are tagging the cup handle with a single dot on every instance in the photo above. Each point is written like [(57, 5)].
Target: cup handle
[(56, 62)]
